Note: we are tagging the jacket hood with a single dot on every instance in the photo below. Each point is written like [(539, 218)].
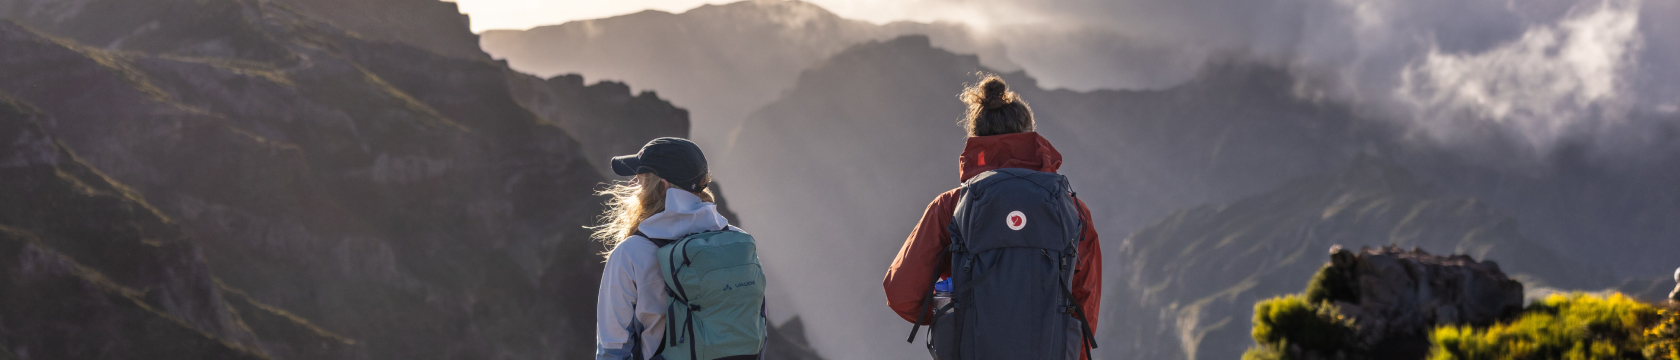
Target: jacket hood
[(1025, 150), (684, 215)]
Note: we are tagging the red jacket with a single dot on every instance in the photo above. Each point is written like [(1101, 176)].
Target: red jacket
[(907, 280)]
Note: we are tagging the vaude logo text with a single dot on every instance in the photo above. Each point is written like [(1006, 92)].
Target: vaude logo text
[(733, 286)]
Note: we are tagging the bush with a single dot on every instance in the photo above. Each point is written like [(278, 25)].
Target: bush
[(1331, 284), (1576, 326), (1265, 353), (1665, 336), (1282, 321)]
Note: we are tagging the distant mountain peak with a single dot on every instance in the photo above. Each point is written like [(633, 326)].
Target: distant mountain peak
[(788, 13)]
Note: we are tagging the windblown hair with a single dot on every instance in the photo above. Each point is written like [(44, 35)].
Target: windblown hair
[(993, 109), (631, 203)]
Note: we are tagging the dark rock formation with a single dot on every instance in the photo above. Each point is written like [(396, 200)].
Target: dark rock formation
[(605, 117), (437, 26), (90, 270), (789, 342), (1397, 296)]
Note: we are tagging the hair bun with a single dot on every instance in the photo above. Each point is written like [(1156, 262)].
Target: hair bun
[(996, 93), (989, 94), (993, 109)]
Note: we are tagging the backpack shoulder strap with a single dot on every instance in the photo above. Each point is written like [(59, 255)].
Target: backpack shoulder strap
[(656, 242)]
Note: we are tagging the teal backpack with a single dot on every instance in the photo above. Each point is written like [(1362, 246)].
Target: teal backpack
[(716, 290)]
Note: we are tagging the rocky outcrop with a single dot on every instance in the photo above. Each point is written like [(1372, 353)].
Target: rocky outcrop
[(83, 257), (605, 117), (436, 26), (1394, 297), (789, 343), (1389, 303)]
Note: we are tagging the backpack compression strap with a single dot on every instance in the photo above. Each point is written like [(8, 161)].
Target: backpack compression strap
[(927, 300), (667, 338), (1078, 310)]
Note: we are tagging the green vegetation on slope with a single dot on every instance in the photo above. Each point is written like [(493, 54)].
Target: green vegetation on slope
[(1285, 320), (1575, 326)]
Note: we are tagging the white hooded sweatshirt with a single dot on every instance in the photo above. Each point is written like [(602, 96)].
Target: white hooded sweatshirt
[(632, 295)]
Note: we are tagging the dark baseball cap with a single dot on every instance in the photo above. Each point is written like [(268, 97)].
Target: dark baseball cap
[(676, 160)]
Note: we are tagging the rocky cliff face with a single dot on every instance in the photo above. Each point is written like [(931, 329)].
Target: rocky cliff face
[(433, 25), (605, 117), (311, 192), (93, 271)]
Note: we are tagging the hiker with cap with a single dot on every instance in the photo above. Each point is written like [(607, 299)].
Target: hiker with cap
[(664, 232), (1006, 266)]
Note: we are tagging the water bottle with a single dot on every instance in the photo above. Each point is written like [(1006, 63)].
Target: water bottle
[(941, 294), (942, 336)]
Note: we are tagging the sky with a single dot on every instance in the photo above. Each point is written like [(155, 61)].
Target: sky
[(525, 14)]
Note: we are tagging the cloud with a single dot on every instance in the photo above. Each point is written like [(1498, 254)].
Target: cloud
[(1533, 72), (1542, 85)]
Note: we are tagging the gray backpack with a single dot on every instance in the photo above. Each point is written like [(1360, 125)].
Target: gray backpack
[(1014, 245)]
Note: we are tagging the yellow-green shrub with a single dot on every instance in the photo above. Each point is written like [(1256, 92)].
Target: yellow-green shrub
[(1331, 284), (1576, 326), (1264, 353), (1665, 336), (1285, 320)]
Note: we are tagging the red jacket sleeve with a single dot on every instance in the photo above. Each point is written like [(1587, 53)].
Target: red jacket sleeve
[(910, 279), (1087, 276)]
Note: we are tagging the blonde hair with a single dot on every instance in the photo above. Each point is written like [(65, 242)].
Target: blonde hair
[(631, 203), (993, 109)]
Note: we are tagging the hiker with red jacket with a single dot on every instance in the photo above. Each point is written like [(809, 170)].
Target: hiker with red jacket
[(1007, 266)]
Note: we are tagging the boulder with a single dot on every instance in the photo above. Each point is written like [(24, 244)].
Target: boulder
[(1394, 297)]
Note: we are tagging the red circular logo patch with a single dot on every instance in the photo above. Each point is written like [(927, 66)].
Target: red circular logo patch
[(1016, 220)]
